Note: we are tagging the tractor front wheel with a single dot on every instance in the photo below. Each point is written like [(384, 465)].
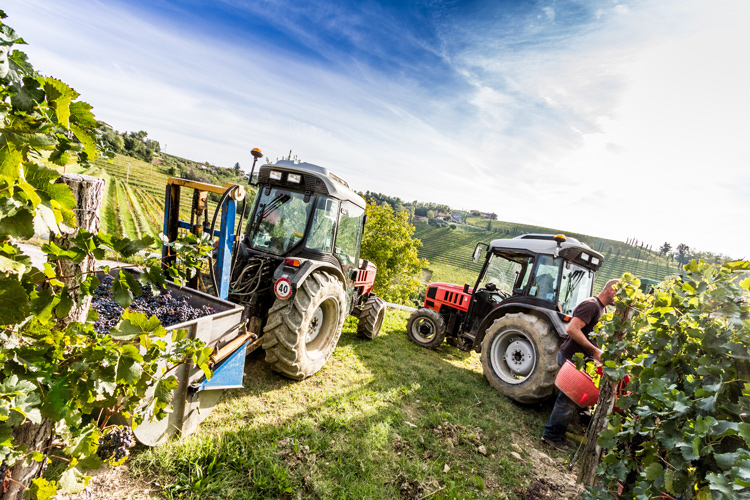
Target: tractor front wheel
[(426, 328), (519, 357), (371, 318), (302, 332)]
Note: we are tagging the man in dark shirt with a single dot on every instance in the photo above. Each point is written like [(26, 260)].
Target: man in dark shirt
[(585, 317)]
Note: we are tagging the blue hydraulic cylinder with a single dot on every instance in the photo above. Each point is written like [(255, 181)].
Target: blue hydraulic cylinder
[(225, 243)]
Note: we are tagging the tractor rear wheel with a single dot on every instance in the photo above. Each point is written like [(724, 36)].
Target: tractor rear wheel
[(302, 332), (519, 357), (371, 318), (426, 328)]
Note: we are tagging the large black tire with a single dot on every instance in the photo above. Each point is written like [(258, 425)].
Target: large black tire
[(371, 318), (302, 332), (519, 357), (426, 328)]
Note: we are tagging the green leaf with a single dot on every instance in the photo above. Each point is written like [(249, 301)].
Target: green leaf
[(85, 443), (43, 304), (64, 306), (26, 96), (725, 460), (86, 140), (56, 399), (121, 290), (14, 302), (19, 225), (73, 481), (134, 324), (80, 113), (41, 489), (654, 471), (128, 370)]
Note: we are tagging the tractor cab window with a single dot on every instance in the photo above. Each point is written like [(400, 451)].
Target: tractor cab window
[(576, 285), (508, 271), (545, 281), (280, 220), (350, 233), (323, 226)]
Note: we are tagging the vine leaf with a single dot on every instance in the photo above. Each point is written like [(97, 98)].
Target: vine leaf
[(73, 481), (13, 300)]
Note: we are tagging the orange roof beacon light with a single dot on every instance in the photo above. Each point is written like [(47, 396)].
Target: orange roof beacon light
[(256, 154)]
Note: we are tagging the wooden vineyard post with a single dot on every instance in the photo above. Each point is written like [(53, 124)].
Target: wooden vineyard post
[(88, 192), (592, 452)]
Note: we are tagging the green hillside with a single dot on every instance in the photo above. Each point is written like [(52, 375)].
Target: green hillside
[(133, 204), (449, 252)]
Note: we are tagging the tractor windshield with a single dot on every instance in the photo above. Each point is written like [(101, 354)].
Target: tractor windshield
[(280, 220), (576, 285), (509, 272)]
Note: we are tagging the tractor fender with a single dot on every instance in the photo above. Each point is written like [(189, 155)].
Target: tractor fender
[(501, 310), (298, 275)]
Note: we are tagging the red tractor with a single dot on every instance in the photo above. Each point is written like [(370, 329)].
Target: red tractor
[(517, 319)]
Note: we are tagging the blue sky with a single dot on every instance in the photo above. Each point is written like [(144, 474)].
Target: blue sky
[(613, 118)]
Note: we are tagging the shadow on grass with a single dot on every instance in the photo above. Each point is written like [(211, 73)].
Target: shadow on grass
[(382, 419)]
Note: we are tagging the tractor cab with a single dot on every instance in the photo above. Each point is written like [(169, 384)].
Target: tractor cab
[(551, 272), (302, 210)]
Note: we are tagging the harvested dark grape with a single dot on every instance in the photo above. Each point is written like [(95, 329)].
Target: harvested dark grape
[(169, 309)]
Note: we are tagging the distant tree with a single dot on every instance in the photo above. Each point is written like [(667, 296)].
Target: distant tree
[(388, 242), (493, 216), (237, 168), (682, 254), (665, 248), (431, 214)]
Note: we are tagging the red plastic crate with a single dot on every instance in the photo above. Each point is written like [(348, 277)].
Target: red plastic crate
[(577, 385)]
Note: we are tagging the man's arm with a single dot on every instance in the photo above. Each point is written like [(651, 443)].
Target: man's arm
[(575, 333)]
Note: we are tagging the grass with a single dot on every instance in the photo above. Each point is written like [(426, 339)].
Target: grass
[(382, 419)]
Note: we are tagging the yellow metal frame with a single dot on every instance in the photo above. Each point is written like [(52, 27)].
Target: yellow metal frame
[(237, 195)]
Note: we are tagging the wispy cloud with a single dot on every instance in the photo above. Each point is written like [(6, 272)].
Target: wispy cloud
[(602, 118)]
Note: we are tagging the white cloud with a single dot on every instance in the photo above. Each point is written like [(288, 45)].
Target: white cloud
[(630, 126)]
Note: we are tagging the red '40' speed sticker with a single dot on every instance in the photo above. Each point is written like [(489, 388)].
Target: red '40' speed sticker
[(282, 288)]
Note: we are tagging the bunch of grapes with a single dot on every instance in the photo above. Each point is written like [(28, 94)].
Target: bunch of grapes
[(4, 474), (113, 446), (169, 309)]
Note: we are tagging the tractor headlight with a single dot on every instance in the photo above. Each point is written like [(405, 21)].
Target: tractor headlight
[(275, 175), (595, 261), (295, 178)]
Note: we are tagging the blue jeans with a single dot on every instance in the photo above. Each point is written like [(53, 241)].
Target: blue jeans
[(562, 413)]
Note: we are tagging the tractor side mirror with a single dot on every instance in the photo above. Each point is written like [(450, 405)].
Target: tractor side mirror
[(478, 251)]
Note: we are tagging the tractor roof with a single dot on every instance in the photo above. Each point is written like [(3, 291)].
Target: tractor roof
[(545, 244), (313, 175)]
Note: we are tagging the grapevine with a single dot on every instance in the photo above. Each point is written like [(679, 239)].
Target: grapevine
[(57, 375)]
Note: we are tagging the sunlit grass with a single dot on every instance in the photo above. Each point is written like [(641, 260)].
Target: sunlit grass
[(382, 419)]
